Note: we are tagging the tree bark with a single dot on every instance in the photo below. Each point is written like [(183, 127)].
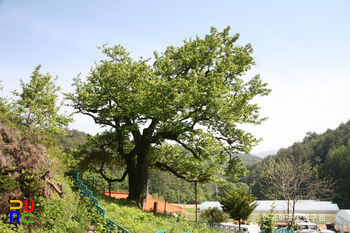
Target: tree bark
[(132, 176), (138, 177)]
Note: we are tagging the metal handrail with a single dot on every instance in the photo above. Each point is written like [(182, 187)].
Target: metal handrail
[(111, 225)]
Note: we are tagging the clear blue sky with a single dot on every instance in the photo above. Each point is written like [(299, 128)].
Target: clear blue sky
[(302, 49)]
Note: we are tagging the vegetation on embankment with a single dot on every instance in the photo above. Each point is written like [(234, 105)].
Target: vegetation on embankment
[(133, 219), (68, 214)]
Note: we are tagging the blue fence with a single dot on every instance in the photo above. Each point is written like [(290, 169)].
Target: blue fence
[(111, 225)]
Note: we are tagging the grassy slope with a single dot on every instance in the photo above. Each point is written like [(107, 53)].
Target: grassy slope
[(135, 220)]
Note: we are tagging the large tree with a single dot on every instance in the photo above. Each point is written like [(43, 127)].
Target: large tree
[(181, 114)]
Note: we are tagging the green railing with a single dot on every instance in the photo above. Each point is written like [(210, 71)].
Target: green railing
[(111, 225), (281, 230)]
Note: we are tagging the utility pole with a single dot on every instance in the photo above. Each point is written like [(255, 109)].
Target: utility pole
[(216, 189), (178, 196), (147, 187), (195, 188)]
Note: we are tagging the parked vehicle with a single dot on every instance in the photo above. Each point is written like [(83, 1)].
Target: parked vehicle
[(308, 227)]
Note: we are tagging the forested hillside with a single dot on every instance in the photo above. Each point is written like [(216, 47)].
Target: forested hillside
[(329, 155)]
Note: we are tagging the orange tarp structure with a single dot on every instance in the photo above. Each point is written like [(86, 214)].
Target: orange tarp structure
[(170, 208)]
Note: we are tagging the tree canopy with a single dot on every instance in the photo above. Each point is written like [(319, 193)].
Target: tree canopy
[(181, 114)]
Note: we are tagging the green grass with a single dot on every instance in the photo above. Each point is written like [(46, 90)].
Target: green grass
[(320, 220), (191, 210), (134, 220)]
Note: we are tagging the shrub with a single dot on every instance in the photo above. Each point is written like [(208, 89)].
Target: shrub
[(213, 215)]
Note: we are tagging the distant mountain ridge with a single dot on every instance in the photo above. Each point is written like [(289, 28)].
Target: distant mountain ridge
[(248, 158), (265, 153)]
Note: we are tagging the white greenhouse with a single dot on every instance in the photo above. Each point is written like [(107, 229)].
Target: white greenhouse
[(302, 206), (342, 221), (305, 207)]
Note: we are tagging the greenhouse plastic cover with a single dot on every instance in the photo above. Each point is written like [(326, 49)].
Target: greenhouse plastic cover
[(342, 221), (309, 206), (207, 204), (302, 206)]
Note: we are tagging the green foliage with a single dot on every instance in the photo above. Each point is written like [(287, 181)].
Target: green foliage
[(187, 89), (37, 104), (23, 167), (72, 139), (10, 228), (7, 183), (26, 172), (96, 181), (213, 215), (248, 159), (327, 156), (238, 204), (164, 185), (268, 220), (69, 214), (224, 187)]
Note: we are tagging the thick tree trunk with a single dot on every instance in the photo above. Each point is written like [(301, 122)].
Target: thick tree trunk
[(138, 177), (132, 175)]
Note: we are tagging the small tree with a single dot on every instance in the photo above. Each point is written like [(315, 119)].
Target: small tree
[(238, 204), (37, 104), (213, 215), (268, 221)]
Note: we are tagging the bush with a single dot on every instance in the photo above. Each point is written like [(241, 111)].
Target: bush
[(213, 215), (72, 213)]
